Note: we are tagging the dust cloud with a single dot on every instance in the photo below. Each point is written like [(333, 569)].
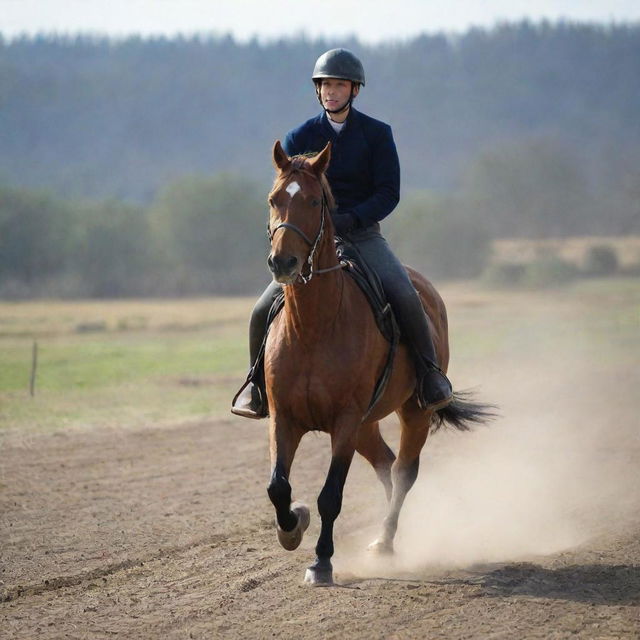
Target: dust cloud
[(558, 467)]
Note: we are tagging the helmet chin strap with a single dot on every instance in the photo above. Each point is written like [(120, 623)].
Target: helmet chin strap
[(342, 109)]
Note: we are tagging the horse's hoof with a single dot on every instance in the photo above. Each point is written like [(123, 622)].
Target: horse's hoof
[(381, 547), (291, 540), (318, 577)]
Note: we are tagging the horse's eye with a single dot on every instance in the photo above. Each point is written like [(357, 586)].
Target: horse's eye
[(315, 203)]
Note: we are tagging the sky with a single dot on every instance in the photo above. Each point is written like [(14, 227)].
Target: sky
[(370, 20)]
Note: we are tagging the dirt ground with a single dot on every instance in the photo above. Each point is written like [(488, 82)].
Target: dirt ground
[(168, 533)]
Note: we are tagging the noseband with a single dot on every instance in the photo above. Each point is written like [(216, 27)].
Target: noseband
[(297, 166)]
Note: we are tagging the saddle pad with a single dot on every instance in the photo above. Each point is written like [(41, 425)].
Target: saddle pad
[(370, 285)]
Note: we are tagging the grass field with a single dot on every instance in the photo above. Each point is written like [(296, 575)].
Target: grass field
[(127, 363), (120, 362)]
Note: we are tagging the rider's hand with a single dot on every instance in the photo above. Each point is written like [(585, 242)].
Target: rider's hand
[(344, 223)]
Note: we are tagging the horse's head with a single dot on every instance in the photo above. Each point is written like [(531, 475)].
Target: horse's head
[(299, 213)]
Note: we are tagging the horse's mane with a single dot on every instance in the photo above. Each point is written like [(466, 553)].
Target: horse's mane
[(301, 167)]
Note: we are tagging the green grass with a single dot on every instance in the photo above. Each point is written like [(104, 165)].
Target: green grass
[(160, 362), (69, 363), (182, 360)]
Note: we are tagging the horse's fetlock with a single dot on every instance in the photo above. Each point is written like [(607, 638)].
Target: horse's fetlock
[(324, 552), (390, 525), (404, 476), (279, 491)]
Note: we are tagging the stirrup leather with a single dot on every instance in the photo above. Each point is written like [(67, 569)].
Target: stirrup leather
[(255, 404)]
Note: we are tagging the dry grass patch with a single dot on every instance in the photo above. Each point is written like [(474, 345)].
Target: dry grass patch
[(574, 250)]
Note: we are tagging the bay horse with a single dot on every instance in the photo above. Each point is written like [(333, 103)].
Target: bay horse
[(323, 356)]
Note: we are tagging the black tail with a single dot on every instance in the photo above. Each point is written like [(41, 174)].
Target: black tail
[(462, 412)]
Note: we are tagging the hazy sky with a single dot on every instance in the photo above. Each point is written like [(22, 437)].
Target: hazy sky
[(370, 20)]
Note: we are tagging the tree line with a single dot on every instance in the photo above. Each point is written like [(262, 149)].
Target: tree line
[(181, 244), (94, 117), (206, 234)]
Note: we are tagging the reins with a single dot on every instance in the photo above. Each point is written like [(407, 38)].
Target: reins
[(297, 166)]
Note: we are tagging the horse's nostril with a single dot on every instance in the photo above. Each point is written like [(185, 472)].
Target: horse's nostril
[(282, 265), (291, 263)]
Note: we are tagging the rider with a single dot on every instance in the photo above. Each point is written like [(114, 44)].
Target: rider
[(364, 175)]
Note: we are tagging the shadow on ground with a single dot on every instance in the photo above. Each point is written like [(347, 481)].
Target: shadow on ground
[(598, 584), (594, 584)]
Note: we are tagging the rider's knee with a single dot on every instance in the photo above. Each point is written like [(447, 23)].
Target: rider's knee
[(404, 297), (260, 311)]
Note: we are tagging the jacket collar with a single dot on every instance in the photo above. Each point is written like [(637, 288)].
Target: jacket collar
[(352, 117)]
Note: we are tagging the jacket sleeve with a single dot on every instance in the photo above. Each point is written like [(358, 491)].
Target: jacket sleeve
[(385, 178)]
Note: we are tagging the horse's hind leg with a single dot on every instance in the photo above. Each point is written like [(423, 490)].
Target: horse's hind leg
[(371, 445), (414, 430), (291, 522)]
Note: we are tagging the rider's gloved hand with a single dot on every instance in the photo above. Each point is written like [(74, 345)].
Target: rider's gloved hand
[(344, 223)]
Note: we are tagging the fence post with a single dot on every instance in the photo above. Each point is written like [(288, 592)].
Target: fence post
[(34, 366)]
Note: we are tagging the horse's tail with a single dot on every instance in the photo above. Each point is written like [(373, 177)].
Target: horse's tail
[(462, 412)]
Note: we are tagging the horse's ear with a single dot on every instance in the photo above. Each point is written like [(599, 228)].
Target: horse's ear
[(320, 162), (280, 158)]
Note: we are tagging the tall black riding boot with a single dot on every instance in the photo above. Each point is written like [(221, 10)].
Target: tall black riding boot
[(251, 400), (433, 388)]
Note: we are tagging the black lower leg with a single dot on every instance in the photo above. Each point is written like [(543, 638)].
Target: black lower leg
[(279, 491), (329, 506)]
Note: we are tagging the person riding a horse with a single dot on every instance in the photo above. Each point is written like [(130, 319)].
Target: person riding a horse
[(364, 176)]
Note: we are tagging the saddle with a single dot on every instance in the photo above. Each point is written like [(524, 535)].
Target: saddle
[(370, 285)]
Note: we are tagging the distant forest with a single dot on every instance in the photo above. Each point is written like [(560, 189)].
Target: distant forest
[(529, 130)]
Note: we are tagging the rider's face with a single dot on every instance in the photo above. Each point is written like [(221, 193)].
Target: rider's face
[(335, 93)]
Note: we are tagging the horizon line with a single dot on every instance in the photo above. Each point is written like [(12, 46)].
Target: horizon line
[(303, 35)]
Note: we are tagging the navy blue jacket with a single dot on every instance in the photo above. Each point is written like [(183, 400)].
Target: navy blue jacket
[(364, 171)]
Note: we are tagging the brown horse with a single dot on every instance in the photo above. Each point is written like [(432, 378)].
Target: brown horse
[(324, 354)]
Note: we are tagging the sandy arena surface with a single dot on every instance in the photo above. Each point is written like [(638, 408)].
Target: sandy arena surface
[(168, 533)]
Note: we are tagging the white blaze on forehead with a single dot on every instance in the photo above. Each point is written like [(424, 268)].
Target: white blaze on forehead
[(293, 188)]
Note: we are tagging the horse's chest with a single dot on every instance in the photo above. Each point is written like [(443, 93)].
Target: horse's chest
[(313, 380), (314, 375)]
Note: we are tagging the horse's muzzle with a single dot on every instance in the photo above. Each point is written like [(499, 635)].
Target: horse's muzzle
[(283, 267)]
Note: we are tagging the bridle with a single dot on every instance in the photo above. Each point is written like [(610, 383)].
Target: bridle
[(297, 166)]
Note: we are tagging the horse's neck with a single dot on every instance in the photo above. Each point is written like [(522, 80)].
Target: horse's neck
[(313, 307)]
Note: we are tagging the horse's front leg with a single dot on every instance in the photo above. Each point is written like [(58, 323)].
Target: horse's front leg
[(291, 520), (343, 444)]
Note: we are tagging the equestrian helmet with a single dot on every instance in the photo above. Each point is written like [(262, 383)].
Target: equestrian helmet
[(339, 63)]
